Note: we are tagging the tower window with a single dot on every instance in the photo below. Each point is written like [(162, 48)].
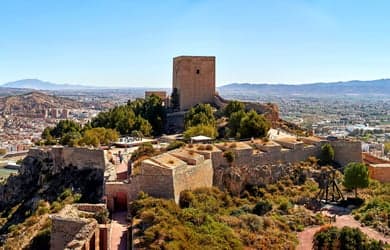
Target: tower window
[(197, 71)]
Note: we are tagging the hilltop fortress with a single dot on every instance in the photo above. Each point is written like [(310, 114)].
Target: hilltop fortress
[(204, 165)]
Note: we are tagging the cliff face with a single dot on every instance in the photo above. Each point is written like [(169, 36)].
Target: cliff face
[(40, 179)]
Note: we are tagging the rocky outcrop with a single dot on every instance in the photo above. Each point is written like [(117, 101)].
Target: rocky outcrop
[(236, 179), (39, 179)]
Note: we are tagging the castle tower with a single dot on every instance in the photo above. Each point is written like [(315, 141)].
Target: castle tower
[(194, 78)]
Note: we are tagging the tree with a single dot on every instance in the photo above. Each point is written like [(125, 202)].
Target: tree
[(143, 126), (206, 130), (387, 148), (46, 134), (99, 136), (71, 139), (327, 154), (253, 125), (232, 107), (147, 116), (63, 127), (175, 100), (356, 176), (154, 112), (235, 123), (201, 114)]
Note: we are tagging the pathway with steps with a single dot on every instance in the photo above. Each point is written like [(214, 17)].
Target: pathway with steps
[(118, 235)]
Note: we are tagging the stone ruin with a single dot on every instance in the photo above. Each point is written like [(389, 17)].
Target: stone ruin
[(76, 227)]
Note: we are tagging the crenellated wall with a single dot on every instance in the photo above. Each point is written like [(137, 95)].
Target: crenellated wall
[(254, 163)]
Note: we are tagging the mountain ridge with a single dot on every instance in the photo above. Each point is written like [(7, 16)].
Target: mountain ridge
[(42, 85), (377, 87)]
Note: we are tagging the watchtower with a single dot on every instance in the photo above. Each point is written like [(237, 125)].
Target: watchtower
[(194, 79)]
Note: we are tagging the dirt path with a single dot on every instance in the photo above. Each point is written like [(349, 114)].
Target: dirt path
[(306, 237), (118, 236)]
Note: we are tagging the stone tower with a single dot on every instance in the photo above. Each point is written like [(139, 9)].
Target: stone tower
[(194, 78)]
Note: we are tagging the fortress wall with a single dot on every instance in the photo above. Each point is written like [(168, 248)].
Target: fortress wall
[(380, 173), (84, 157), (174, 122), (70, 156), (300, 154), (347, 151), (156, 181), (191, 177), (114, 190), (38, 153)]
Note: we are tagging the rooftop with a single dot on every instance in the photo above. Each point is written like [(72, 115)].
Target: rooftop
[(166, 160)]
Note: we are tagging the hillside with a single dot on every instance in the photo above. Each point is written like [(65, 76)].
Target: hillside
[(41, 85), (360, 88), (34, 102)]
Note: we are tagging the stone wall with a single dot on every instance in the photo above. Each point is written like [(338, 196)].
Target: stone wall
[(74, 228), (71, 156), (114, 190), (254, 164), (379, 172), (347, 151), (174, 122), (191, 177), (72, 233), (80, 157), (257, 167)]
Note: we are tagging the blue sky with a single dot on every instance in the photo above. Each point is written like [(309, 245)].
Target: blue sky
[(132, 43)]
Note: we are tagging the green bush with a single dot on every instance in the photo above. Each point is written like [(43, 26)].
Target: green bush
[(347, 238), (175, 144), (262, 207), (229, 156)]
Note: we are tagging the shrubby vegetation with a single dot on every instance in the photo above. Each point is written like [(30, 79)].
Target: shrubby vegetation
[(37, 224), (245, 124), (376, 209), (175, 144), (207, 218), (200, 120), (332, 238), (144, 150), (206, 130)]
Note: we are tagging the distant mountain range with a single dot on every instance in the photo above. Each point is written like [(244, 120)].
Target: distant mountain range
[(41, 85), (374, 87)]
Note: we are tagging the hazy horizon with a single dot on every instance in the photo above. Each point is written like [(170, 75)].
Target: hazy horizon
[(131, 44)]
